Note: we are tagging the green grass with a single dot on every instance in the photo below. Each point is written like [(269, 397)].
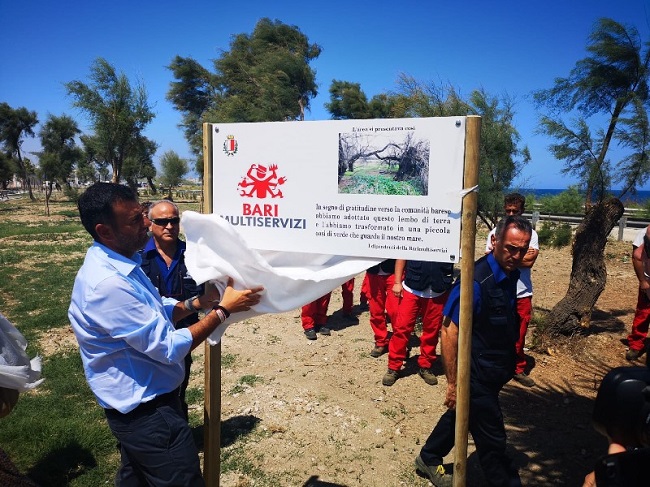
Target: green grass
[(372, 184), (245, 382), (57, 434), (228, 360)]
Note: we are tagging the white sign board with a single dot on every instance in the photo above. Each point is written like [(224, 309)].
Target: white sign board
[(388, 188)]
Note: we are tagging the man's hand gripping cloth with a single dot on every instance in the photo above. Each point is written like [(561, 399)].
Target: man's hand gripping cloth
[(215, 251)]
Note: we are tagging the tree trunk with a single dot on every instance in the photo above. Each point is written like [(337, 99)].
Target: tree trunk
[(152, 185), (28, 183), (588, 272), (48, 193)]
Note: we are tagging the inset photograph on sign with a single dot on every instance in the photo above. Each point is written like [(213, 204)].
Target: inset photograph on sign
[(383, 163)]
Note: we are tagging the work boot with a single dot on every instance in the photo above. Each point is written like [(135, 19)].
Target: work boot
[(524, 380), (323, 330), (435, 473), (428, 376), (311, 334), (390, 377), (378, 351), (633, 354)]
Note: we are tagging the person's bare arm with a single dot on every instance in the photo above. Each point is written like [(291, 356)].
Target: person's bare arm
[(449, 351), (400, 264), (529, 258), (638, 262)]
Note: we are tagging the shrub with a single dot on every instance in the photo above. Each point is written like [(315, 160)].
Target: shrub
[(563, 235), (569, 202), (71, 193), (553, 234), (545, 233)]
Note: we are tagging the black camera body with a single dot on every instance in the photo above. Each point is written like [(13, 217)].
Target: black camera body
[(622, 409), (622, 414)]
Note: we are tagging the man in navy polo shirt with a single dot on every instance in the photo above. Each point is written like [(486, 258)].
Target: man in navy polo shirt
[(163, 261), (495, 331)]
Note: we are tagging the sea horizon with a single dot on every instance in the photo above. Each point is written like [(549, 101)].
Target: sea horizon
[(641, 196)]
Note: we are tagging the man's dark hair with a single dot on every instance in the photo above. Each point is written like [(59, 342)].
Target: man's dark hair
[(515, 199), (517, 221), (96, 204)]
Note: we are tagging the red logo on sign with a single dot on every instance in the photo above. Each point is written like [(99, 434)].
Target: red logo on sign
[(261, 182)]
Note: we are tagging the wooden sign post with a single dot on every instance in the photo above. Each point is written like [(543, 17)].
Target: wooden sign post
[(212, 400), (468, 236)]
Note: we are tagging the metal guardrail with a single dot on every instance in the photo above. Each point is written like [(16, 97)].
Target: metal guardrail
[(577, 219), (624, 223)]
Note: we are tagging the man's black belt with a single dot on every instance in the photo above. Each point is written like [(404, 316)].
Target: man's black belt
[(161, 400)]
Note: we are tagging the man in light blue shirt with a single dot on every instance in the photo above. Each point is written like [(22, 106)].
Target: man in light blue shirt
[(133, 357)]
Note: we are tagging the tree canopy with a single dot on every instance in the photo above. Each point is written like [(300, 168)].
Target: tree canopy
[(15, 125), (265, 76), (139, 163), (60, 152), (118, 113), (172, 168), (602, 104)]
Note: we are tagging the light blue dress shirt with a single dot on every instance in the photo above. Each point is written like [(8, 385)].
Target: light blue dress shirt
[(129, 347)]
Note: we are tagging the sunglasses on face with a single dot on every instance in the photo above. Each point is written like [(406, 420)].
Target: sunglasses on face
[(163, 222)]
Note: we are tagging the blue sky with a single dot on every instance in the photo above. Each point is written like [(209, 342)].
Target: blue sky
[(505, 46)]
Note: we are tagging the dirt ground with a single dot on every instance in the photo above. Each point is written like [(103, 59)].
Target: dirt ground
[(322, 417)]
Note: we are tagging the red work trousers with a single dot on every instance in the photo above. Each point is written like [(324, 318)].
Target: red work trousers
[(381, 302), (636, 339), (524, 310), (410, 307), (363, 295), (347, 293), (314, 314)]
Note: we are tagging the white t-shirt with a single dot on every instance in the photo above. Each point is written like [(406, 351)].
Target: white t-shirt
[(525, 283), (638, 238)]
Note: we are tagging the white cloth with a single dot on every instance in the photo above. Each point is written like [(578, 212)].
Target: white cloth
[(17, 371), (215, 251)]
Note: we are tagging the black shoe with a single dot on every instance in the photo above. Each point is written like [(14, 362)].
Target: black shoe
[(378, 351), (428, 376), (323, 330), (524, 380), (311, 334), (390, 377), (435, 473)]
